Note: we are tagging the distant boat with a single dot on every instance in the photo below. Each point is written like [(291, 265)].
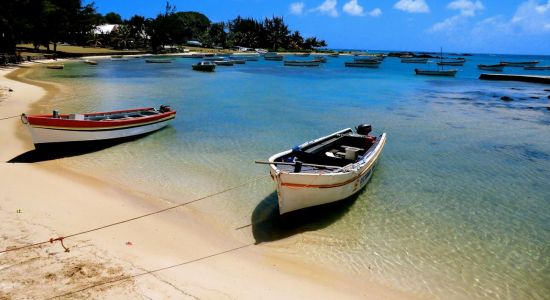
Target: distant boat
[(520, 63), (321, 58), (439, 71), (414, 60), (244, 56), (539, 68), (223, 62), (301, 54), (116, 56), (90, 62), (302, 63), (436, 72), (325, 170), (158, 61), (363, 64), (273, 56), (451, 63), (55, 66), (334, 54), (366, 59), (205, 66), (99, 126), (496, 68)]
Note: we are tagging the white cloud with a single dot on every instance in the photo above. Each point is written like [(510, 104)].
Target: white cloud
[(353, 8), (532, 17), (375, 12), (467, 8), (328, 7), (446, 24), (412, 6), (543, 8), (297, 8)]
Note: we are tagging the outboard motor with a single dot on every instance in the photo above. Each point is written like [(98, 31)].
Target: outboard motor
[(55, 114), (164, 108), (364, 129)]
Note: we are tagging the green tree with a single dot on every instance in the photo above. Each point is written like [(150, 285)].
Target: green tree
[(277, 32), (113, 18)]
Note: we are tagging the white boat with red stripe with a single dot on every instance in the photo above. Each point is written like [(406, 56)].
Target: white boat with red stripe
[(58, 128), (327, 169)]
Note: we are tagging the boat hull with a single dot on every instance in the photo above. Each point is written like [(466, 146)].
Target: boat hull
[(301, 190), (449, 73), (520, 64), (313, 63), (414, 60), (47, 130), (362, 64), (538, 68), (204, 68), (41, 136), (496, 68)]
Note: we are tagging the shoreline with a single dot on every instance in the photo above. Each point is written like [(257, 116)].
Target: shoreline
[(55, 201)]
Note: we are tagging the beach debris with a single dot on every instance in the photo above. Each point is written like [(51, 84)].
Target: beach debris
[(506, 98), (10, 90), (60, 239), (18, 211), (129, 244)]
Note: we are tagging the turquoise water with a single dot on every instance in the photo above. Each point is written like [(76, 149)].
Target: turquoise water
[(458, 208)]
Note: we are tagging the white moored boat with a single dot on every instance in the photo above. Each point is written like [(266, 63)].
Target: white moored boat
[(325, 170), (101, 126)]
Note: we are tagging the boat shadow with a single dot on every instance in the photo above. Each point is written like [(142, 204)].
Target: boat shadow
[(269, 226), (57, 151)]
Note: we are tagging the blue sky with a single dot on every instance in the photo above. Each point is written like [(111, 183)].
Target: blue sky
[(477, 26)]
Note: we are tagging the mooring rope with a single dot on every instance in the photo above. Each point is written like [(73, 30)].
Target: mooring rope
[(5, 118), (61, 238), (150, 272)]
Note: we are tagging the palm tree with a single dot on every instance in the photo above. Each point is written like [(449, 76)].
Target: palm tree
[(277, 32)]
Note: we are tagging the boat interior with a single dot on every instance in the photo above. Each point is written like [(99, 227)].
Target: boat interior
[(111, 116), (336, 151), (119, 116)]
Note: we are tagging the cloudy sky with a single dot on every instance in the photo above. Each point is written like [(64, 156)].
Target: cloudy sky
[(478, 26)]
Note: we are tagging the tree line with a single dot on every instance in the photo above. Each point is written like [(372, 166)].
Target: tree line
[(50, 22)]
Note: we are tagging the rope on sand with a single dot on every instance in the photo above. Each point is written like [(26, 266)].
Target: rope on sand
[(123, 278), (61, 238), (5, 118)]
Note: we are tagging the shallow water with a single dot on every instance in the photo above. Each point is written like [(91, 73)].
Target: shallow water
[(458, 208)]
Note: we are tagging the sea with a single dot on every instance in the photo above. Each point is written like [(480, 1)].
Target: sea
[(458, 207)]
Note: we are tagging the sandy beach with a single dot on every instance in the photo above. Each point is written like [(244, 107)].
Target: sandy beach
[(195, 256)]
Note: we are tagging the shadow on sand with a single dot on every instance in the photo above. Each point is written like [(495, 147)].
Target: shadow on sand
[(61, 150), (268, 225)]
